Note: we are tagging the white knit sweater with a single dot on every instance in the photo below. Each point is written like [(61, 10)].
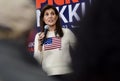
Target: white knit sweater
[(56, 61)]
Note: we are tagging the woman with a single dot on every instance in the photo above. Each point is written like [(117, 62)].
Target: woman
[(54, 53)]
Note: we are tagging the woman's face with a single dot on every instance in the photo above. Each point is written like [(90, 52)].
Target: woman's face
[(50, 17)]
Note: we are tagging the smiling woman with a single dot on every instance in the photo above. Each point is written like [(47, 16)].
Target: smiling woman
[(50, 18), (54, 54)]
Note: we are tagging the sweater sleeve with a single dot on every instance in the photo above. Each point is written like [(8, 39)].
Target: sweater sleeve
[(72, 38), (37, 53)]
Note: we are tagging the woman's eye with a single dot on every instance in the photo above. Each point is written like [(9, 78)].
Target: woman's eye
[(52, 13), (46, 14)]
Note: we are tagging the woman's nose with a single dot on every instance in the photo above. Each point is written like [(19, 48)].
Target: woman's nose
[(50, 15)]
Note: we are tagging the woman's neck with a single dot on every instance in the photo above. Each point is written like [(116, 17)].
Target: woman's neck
[(52, 28)]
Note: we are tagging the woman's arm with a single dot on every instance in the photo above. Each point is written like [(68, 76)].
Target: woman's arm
[(72, 38), (37, 48)]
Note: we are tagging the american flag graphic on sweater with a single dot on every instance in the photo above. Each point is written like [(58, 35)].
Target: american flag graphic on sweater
[(52, 43)]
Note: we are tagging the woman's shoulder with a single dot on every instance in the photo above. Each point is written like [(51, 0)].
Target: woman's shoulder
[(66, 30)]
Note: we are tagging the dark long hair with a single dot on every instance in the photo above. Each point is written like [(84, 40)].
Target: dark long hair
[(58, 29)]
